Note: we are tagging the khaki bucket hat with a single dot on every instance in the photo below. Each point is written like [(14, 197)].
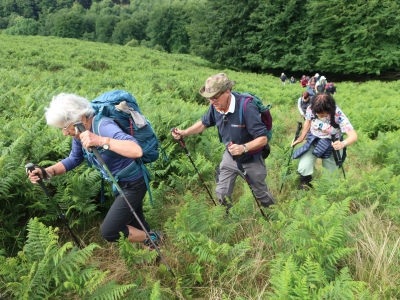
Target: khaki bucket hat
[(215, 84)]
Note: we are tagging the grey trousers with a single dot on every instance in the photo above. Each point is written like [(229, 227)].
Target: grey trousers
[(257, 171)]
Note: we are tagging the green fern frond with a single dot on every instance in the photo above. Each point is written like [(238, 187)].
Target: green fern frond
[(156, 291), (46, 270), (110, 291)]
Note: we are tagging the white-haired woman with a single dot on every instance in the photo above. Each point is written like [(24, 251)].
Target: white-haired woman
[(320, 85), (67, 109)]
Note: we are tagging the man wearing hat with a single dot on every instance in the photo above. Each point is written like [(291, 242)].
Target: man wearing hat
[(243, 140)]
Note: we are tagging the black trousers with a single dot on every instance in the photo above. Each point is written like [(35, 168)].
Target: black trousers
[(120, 215)]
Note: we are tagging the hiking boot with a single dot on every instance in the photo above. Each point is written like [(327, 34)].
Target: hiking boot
[(227, 202), (305, 182), (156, 237)]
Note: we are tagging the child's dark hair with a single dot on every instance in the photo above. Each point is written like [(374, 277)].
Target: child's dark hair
[(324, 102)]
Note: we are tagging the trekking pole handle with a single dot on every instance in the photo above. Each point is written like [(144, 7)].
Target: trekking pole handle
[(93, 149), (339, 157), (299, 126), (181, 142), (80, 127), (31, 167)]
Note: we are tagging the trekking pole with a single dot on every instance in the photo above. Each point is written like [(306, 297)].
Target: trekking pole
[(296, 136), (182, 143), (79, 126), (247, 178), (337, 156), (61, 215)]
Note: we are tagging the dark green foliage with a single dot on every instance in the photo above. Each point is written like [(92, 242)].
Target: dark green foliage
[(167, 27), (24, 27), (104, 27), (357, 36), (205, 240), (46, 270), (281, 38), (219, 30), (313, 236), (129, 29), (95, 65), (69, 25), (344, 37)]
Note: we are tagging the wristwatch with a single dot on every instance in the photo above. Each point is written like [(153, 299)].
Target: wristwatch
[(245, 148), (106, 145)]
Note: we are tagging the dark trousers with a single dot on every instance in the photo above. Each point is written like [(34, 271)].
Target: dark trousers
[(120, 215)]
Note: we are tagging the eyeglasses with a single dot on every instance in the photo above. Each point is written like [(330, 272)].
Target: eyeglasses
[(224, 118), (215, 97), (66, 127)]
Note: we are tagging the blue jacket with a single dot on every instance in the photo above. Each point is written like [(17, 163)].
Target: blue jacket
[(323, 147)]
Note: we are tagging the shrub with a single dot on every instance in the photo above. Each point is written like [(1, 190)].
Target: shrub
[(24, 27)]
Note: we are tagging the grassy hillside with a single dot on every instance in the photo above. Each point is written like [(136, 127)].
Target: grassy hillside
[(338, 241)]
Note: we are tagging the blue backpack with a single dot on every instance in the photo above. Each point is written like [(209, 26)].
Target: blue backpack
[(123, 108)]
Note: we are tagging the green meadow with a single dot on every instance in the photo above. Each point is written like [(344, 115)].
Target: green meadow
[(340, 240)]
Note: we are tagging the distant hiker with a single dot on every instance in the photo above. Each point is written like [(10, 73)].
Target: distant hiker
[(243, 142), (118, 149), (303, 81), (311, 83), (311, 92), (283, 78), (303, 103), (330, 88), (316, 77), (320, 85), (323, 119), (292, 80)]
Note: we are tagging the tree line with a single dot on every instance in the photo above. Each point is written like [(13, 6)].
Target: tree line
[(344, 36)]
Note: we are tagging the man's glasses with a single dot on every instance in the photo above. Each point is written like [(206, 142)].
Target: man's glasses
[(224, 118), (215, 97)]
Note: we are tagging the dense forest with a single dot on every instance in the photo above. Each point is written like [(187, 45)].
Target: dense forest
[(354, 37)]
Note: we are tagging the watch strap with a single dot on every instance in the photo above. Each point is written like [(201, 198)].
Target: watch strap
[(107, 142)]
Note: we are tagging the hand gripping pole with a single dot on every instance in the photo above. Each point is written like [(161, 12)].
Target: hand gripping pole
[(79, 126), (182, 143), (61, 215)]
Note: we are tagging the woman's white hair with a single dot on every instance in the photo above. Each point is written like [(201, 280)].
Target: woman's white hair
[(66, 108)]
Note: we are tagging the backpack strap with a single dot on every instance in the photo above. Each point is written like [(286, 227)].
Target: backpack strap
[(96, 123), (242, 109), (134, 168), (131, 170)]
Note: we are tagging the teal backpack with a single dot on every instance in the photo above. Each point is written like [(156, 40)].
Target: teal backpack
[(123, 108)]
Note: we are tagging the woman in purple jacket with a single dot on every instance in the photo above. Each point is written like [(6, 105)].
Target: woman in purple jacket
[(63, 112)]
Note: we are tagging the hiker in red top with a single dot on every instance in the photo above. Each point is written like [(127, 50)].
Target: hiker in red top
[(303, 81)]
